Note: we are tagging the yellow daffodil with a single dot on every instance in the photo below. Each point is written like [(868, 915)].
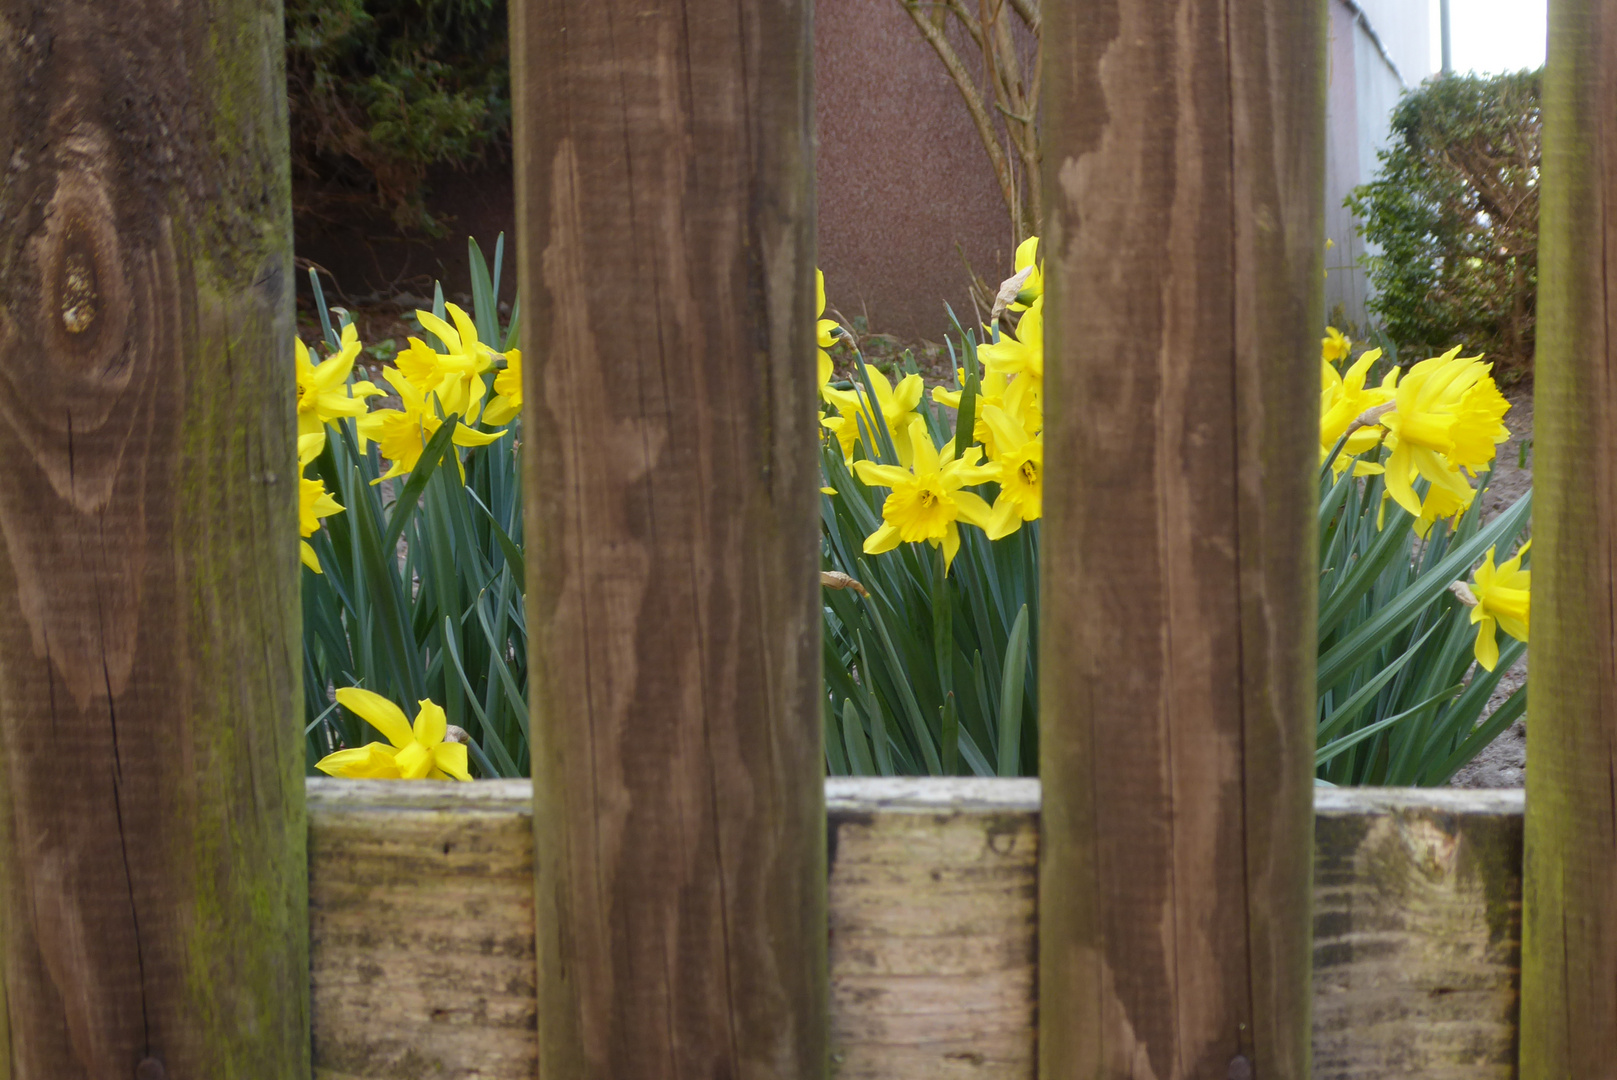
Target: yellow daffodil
[(826, 330), (1343, 400), (314, 503), (1023, 354), (453, 379), (323, 391), (403, 433), (309, 446), (1033, 286), (1503, 597), (926, 501), (1479, 426), (1442, 422), (456, 377), (1020, 458), (1440, 504), (507, 402), (417, 753), (1022, 404), (897, 406), (990, 391), (1335, 346)]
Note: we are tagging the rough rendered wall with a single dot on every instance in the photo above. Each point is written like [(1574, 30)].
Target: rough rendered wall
[(902, 175)]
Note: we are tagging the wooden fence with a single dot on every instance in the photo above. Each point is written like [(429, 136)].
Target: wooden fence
[(423, 930), (153, 821)]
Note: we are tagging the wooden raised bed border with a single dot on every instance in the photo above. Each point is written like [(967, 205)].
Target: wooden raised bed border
[(421, 905)]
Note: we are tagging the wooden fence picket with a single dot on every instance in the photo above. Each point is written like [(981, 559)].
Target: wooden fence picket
[(1569, 921), (666, 237), (1184, 166), (153, 881)]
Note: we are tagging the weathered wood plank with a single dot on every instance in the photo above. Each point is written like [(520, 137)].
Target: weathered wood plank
[(665, 214), (423, 957), (1417, 913), (1183, 172), (421, 911), (152, 890), (933, 889), (1569, 995)]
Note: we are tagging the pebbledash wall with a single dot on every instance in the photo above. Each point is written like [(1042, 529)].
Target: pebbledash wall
[(902, 175)]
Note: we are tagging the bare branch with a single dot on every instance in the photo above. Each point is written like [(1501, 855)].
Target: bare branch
[(974, 102), (1029, 10)]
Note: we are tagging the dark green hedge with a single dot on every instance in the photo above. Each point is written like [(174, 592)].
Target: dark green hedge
[(382, 89), (1454, 212)]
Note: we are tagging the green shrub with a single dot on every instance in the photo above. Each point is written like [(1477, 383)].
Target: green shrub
[(381, 89), (1454, 213)]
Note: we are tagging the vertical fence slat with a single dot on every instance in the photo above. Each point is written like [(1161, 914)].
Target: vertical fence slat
[(153, 896), (1569, 889), (665, 206), (1184, 170)]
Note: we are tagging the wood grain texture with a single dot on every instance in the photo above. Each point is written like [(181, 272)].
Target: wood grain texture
[(152, 864), (422, 922), (666, 221), (421, 916), (933, 889), (1417, 917), (1183, 174), (1569, 998)]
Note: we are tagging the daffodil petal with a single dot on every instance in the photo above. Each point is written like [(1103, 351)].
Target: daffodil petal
[(973, 509), (378, 712), (465, 436), (907, 394), (1397, 477), (451, 758), (874, 475), (1005, 518), (885, 538), (311, 445), (926, 455), (1025, 252), (500, 410), (430, 724), (464, 325), (441, 330), (415, 762), (1008, 434), (373, 761), (1487, 646)]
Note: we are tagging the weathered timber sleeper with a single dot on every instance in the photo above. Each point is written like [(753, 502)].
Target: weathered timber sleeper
[(421, 904)]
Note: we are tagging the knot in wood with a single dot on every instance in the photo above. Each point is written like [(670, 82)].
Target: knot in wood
[(83, 290), (82, 346), (77, 292)]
